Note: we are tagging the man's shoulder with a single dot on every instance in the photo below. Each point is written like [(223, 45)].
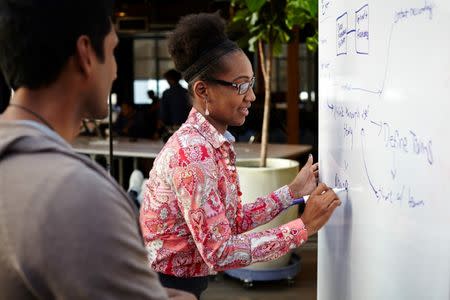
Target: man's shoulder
[(61, 164), (67, 194), (90, 179), (43, 170), (69, 179), (78, 194)]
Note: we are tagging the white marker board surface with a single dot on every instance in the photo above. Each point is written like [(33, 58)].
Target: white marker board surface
[(384, 132)]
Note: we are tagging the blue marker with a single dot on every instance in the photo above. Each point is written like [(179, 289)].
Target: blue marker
[(304, 199)]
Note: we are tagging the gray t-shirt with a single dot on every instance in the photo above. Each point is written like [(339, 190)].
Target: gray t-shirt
[(67, 230)]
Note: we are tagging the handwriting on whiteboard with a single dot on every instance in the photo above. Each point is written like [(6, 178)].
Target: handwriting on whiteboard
[(361, 21), (406, 141), (395, 192), (406, 13)]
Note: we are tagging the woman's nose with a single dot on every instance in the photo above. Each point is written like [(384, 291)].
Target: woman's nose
[(250, 96)]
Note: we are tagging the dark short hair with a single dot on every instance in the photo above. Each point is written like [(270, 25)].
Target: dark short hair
[(37, 37), (194, 35), (5, 93), (172, 75)]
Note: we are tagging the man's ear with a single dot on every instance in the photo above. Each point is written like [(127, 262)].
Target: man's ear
[(85, 55), (200, 89)]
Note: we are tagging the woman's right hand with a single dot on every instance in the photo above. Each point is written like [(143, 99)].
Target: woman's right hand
[(319, 207)]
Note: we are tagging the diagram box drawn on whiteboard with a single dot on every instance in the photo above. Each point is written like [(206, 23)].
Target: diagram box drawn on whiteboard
[(362, 30), (341, 34)]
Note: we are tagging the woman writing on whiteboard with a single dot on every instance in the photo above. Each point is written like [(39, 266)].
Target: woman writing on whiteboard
[(192, 218)]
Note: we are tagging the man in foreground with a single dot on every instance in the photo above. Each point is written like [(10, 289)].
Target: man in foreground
[(67, 230)]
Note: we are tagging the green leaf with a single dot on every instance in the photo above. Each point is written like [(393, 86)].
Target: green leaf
[(254, 19), (277, 48), (312, 42), (255, 5), (301, 12), (252, 42), (240, 15), (314, 7)]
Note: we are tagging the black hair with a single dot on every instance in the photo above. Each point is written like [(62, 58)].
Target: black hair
[(172, 75), (37, 37), (5, 93), (193, 37)]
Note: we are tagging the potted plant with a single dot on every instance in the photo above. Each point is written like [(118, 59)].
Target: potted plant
[(264, 26)]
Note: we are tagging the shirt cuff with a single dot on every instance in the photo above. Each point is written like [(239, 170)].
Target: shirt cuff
[(295, 231), (285, 196)]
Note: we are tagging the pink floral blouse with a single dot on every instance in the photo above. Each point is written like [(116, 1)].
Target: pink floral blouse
[(192, 218)]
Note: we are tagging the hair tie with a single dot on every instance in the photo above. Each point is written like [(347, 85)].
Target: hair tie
[(207, 57)]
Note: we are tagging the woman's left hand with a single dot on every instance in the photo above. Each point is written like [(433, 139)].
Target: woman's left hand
[(306, 180)]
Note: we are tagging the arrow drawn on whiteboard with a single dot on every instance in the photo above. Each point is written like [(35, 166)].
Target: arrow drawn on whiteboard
[(379, 91), (400, 15), (394, 169), (349, 87), (386, 194), (387, 59), (380, 126), (375, 190), (378, 191), (324, 19)]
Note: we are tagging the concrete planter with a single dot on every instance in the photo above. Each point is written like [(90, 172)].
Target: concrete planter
[(256, 182)]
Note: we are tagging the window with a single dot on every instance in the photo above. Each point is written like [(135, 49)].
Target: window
[(151, 61), (307, 73)]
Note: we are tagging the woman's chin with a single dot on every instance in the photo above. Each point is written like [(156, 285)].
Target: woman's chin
[(238, 122)]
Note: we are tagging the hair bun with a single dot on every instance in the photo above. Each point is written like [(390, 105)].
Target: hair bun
[(193, 35)]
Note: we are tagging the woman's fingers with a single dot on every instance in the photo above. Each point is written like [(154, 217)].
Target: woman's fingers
[(321, 188)]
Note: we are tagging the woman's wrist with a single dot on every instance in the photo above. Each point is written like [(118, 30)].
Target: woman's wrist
[(295, 194), (292, 193), (309, 230)]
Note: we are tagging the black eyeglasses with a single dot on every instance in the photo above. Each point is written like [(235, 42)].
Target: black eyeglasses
[(241, 87)]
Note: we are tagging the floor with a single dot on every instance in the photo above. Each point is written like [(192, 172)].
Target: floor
[(303, 287)]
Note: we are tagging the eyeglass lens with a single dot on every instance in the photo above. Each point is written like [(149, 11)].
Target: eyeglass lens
[(245, 86)]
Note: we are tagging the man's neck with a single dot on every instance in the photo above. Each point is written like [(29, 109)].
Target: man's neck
[(45, 106)]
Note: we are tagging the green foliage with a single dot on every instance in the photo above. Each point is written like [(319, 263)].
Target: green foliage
[(312, 42), (271, 21), (254, 5)]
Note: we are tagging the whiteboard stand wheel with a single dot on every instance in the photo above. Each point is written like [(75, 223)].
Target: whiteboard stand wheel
[(247, 283), (249, 275), (291, 281)]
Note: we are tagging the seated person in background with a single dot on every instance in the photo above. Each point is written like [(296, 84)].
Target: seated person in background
[(154, 113), (152, 96), (175, 104), (127, 123), (135, 122)]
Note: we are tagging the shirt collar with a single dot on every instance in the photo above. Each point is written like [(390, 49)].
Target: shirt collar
[(207, 130)]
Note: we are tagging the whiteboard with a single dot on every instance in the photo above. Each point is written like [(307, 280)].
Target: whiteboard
[(384, 114)]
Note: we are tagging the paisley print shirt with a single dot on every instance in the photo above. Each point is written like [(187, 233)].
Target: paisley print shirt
[(192, 218)]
